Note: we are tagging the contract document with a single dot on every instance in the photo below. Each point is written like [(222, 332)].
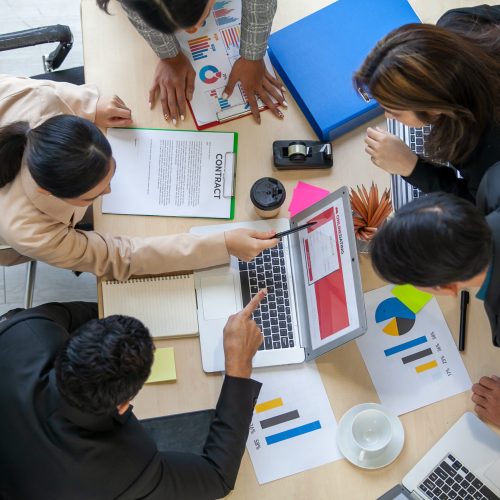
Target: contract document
[(172, 173)]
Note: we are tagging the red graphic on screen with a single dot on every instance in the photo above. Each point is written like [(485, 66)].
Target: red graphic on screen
[(331, 298)]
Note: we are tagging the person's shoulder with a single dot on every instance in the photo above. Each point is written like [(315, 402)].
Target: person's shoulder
[(26, 99), (31, 332), (488, 195)]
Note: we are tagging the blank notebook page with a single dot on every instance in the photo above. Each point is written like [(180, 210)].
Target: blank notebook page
[(165, 304)]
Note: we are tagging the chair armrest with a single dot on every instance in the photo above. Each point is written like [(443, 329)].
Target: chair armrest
[(36, 36)]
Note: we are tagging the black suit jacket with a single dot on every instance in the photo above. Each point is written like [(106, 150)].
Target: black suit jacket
[(430, 177), (488, 200), (50, 450)]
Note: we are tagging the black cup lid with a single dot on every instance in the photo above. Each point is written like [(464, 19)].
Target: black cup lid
[(267, 193)]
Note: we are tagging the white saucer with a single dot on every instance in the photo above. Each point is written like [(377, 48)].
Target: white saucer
[(351, 450)]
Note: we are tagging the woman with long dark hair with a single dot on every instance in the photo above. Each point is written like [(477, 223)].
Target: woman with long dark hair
[(173, 81), (446, 76), (51, 172)]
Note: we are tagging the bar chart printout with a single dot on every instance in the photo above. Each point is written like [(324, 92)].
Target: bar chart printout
[(409, 344), (293, 428)]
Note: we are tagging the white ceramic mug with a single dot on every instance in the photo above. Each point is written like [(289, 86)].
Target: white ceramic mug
[(372, 432)]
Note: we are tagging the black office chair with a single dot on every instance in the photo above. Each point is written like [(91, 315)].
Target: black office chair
[(47, 34), (51, 62)]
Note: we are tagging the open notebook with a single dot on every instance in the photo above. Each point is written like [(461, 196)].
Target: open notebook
[(165, 304)]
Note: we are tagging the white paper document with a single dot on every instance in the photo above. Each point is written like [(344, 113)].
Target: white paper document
[(320, 248), (409, 351), (172, 173), (293, 428), (212, 51)]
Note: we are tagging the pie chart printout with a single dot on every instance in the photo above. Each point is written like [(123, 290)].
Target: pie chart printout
[(400, 318)]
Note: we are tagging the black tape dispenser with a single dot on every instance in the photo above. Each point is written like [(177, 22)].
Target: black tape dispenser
[(293, 155)]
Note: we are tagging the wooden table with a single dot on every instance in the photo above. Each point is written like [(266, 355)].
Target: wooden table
[(118, 60)]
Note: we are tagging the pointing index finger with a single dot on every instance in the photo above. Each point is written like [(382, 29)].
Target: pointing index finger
[(254, 303)]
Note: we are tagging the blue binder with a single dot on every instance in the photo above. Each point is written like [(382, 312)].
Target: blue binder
[(317, 56)]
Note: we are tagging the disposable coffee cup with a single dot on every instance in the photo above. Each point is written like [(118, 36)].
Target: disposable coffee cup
[(267, 195)]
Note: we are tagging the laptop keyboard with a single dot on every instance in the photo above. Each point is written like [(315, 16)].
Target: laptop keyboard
[(450, 480), (416, 137), (274, 317), (402, 191)]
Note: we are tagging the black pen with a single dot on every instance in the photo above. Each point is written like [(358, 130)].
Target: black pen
[(464, 301), (294, 230)]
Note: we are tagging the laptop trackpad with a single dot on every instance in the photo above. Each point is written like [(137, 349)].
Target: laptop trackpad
[(493, 473), (219, 297)]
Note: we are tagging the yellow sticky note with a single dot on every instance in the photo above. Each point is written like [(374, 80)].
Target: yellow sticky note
[(412, 298), (163, 369)]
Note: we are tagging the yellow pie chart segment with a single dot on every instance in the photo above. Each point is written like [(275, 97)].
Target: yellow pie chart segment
[(391, 328)]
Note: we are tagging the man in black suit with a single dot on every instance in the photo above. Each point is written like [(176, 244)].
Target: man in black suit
[(441, 244), (67, 427)]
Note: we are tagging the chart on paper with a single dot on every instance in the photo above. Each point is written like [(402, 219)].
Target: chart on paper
[(281, 418), (293, 428), (408, 344), (213, 50)]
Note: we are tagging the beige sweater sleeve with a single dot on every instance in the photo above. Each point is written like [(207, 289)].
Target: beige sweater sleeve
[(37, 100), (118, 257)]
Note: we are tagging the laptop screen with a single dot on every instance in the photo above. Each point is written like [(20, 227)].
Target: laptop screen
[(330, 273)]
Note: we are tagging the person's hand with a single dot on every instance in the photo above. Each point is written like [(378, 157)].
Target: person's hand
[(486, 396), (112, 112), (174, 82), (242, 338), (389, 152), (256, 81), (246, 244)]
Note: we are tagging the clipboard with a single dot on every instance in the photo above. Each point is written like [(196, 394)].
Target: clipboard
[(212, 51), (173, 173)]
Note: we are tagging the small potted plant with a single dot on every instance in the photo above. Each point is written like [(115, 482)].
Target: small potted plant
[(369, 213)]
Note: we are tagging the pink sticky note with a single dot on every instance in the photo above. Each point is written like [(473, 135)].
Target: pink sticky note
[(305, 195)]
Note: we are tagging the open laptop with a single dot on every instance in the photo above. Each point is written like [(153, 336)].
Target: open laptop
[(464, 464), (314, 302)]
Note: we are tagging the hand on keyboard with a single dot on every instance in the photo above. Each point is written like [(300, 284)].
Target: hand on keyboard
[(246, 244), (242, 338), (389, 152)]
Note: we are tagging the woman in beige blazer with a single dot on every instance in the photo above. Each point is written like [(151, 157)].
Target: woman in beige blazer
[(54, 164)]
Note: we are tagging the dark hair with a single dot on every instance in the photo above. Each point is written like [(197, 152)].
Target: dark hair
[(66, 155), (435, 240), (421, 67), (166, 16), (480, 25), (104, 363)]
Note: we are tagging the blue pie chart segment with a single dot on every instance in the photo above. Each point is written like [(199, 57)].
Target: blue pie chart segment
[(393, 308)]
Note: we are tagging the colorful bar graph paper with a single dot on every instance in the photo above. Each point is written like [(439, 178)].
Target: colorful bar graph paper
[(405, 345), (199, 47), (426, 366), (291, 433), (231, 37), (268, 405), (279, 419), (223, 103), (221, 14)]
